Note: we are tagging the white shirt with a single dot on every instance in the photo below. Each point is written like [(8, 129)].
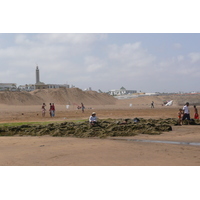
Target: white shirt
[(186, 109), (91, 118)]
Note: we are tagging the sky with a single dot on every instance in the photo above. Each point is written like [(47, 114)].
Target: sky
[(147, 62), (102, 44)]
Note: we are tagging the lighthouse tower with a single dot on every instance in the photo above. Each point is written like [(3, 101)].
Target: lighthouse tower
[(37, 75), (38, 84)]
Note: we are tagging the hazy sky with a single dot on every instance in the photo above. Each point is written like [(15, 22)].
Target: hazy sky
[(147, 62)]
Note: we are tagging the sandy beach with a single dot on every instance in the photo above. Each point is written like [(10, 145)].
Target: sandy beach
[(115, 151)]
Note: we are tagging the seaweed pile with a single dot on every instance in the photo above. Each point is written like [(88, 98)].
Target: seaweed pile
[(104, 128)]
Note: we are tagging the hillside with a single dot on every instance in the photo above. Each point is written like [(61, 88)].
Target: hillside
[(62, 96), (74, 96), (19, 98)]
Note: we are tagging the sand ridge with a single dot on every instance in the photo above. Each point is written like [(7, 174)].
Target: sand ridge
[(74, 96), (62, 96)]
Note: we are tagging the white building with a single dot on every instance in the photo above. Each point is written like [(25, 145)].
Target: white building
[(27, 87), (58, 85), (8, 86), (88, 89), (121, 91)]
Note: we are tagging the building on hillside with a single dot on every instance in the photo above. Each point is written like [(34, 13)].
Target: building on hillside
[(27, 87), (88, 89), (121, 91), (41, 85), (58, 85), (8, 87), (31, 87)]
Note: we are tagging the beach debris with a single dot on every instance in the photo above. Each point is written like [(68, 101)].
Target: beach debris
[(169, 103)]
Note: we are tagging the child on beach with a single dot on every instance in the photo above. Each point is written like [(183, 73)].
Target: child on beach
[(180, 116), (196, 115), (43, 109)]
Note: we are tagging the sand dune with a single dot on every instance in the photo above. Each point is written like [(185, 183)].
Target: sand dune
[(61, 96), (74, 96)]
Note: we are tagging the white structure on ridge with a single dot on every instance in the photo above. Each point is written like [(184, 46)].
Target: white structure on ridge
[(121, 91)]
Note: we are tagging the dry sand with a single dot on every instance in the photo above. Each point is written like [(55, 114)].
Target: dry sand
[(51, 151), (61, 151)]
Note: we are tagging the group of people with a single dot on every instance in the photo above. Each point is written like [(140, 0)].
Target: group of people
[(184, 113), (51, 109), (92, 119)]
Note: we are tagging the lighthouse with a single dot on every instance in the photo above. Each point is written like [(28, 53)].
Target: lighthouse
[(38, 84), (37, 75)]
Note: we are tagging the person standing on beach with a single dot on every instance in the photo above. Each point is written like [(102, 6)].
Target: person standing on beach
[(82, 107), (186, 112), (152, 104), (50, 112), (43, 109), (180, 116), (53, 110), (196, 114)]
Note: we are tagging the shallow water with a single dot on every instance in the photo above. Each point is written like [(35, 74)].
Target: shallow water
[(161, 141)]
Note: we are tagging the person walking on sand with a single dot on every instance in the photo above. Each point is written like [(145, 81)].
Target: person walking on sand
[(196, 114), (180, 116), (50, 108), (82, 107), (152, 104), (43, 110), (186, 112), (53, 110)]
